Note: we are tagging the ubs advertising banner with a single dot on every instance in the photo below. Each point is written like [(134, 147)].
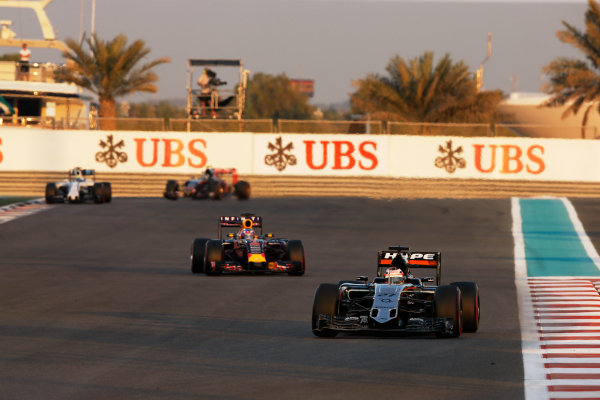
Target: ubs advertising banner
[(495, 158), (344, 155), (119, 151), (302, 154)]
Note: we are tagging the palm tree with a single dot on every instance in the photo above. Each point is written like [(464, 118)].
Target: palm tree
[(577, 82), (110, 70), (419, 91)]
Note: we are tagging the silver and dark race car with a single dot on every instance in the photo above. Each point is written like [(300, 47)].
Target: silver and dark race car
[(242, 248), (213, 184), (80, 186), (397, 300)]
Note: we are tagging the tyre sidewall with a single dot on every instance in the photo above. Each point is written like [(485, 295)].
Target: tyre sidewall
[(214, 252), (198, 255), (296, 253), (447, 301), (470, 305), (325, 302)]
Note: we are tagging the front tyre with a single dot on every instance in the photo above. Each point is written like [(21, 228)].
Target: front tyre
[(296, 253), (50, 192), (107, 192), (98, 193), (470, 305), (198, 254), (171, 190), (326, 298), (217, 190), (447, 302), (214, 252)]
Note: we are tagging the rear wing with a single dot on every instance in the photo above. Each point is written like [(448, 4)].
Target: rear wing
[(228, 171), (240, 222), (401, 257)]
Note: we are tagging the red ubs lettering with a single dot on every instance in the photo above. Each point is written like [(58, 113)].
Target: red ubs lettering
[(174, 151), (511, 160), (344, 155)]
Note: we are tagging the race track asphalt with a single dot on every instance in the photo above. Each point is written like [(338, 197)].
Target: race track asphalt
[(98, 302)]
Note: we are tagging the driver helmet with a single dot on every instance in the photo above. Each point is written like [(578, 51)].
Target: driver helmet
[(246, 232), (394, 276), (76, 173), (209, 173)]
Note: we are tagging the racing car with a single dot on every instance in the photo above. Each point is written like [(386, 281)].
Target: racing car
[(80, 186), (397, 300), (213, 184), (242, 247)]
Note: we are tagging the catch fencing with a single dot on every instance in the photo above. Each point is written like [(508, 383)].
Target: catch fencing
[(305, 126)]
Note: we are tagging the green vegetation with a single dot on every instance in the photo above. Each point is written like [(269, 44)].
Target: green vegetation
[(110, 70), (10, 57), (162, 109), (12, 200), (577, 82), (419, 91), (273, 97)]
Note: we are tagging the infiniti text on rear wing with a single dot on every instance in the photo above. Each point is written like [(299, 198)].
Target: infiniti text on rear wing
[(239, 222)]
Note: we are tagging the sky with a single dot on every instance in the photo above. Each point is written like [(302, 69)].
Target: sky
[(332, 42)]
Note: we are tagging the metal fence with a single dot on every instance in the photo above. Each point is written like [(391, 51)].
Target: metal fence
[(221, 125), (554, 131), (45, 122), (321, 126), (439, 129), (128, 124), (307, 126)]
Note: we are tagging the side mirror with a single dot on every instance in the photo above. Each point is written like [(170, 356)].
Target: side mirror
[(269, 235), (230, 235), (362, 278)]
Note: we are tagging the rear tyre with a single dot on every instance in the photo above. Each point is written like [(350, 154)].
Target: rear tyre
[(98, 193), (171, 190), (242, 190), (50, 192), (214, 252), (198, 254), (296, 253), (469, 292), (448, 305), (326, 298)]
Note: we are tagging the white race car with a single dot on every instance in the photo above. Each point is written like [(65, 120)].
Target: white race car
[(396, 300), (80, 186)]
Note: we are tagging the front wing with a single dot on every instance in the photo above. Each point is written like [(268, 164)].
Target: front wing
[(364, 323), (271, 266)]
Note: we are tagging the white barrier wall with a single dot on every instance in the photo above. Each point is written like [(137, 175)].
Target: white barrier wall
[(302, 154), (118, 151)]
